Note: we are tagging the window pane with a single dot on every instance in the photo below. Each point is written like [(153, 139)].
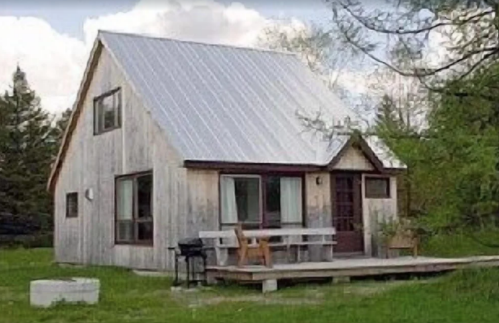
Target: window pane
[(108, 111), (228, 200), (377, 187), (145, 231), (291, 200), (72, 205), (273, 202), (124, 231), (144, 196), (248, 199), (124, 199), (117, 106)]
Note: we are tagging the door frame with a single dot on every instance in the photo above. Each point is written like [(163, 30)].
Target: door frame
[(358, 175)]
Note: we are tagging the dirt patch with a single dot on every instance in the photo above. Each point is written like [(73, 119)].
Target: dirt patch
[(375, 288), (194, 300)]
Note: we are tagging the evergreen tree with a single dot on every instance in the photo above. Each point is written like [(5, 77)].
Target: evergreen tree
[(28, 142), (61, 124)]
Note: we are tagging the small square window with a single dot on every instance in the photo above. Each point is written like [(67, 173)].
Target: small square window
[(71, 205), (107, 111), (377, 187)]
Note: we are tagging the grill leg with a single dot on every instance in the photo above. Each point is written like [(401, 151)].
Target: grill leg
[(205, 279), (188, 267), (176, 282)]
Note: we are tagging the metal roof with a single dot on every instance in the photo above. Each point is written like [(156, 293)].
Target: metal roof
[(231, 104)]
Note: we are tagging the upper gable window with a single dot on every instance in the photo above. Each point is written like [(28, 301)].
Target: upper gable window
[(107, 111)]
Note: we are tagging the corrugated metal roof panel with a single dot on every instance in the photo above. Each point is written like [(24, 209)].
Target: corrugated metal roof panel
[(229, 104)]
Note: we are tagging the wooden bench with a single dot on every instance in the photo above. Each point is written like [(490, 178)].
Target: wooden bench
[(226, 239)]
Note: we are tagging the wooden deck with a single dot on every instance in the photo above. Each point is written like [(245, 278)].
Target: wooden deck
[(349, 268)]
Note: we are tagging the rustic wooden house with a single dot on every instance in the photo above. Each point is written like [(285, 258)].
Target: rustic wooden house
[(171, 137)]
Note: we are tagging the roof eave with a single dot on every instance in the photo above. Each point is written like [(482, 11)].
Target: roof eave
[(365, 149), (84, 85)]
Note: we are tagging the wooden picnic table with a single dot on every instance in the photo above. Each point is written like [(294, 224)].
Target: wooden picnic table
[(226, 239)]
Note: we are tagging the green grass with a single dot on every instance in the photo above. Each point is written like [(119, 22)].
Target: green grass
[(466, 296), (461, 244)]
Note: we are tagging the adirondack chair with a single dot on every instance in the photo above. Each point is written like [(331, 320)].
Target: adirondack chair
[(245, 251)]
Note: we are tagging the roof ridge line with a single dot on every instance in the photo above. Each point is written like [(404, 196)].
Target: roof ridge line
[(257, 49)]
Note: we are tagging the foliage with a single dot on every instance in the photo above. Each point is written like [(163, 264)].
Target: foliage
[(61, 124), (466, 33), (453, 162), (320, 49), (467, 296), (390, 227), (28, 143)]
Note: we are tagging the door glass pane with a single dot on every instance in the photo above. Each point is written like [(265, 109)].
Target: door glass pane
[(124, 199), (144, 196), (248, 199)]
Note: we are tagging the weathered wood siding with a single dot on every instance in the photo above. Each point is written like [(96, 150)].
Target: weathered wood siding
[(318, 207), (184, 201), (318, 200), (353, 159), (375, 211), (92, 162), (202, 201)]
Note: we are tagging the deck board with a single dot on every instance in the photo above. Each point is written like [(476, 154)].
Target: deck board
[(350, 268)]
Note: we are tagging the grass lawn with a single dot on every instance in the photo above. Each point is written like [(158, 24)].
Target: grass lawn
[(467, 296), (462, 244)]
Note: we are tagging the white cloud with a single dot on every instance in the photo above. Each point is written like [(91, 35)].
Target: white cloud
[(199, 20), (54, 62)]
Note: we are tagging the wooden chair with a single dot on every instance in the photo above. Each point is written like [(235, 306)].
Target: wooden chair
[(246, 251), (404, 239)]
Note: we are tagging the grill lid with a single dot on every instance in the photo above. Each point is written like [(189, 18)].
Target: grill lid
[(190, 243)]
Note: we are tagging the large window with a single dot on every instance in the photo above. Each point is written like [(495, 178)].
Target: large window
[(134, 209), (377, 187), (261, 201), (107, 111), (71, 205)]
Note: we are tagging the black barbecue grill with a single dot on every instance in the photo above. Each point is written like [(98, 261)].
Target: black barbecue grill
[(190, 249)]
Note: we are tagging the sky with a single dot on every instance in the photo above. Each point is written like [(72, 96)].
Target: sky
[(51, 40)]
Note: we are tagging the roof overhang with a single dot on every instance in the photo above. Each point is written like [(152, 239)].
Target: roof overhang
[(77, 107), (253, 167)]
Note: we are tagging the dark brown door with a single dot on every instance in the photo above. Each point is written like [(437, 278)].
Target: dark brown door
[(347, 212)]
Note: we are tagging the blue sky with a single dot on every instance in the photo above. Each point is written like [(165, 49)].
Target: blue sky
[(69, 16)]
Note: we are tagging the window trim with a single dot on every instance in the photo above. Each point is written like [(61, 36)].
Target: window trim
[(378, 197), (68, 195), (119, 109), (263, 176), (134, 242)]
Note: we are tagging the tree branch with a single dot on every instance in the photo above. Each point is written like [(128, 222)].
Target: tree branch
[(364, 22)]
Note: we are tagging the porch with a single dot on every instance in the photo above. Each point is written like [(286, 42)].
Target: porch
[(343, 269)]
